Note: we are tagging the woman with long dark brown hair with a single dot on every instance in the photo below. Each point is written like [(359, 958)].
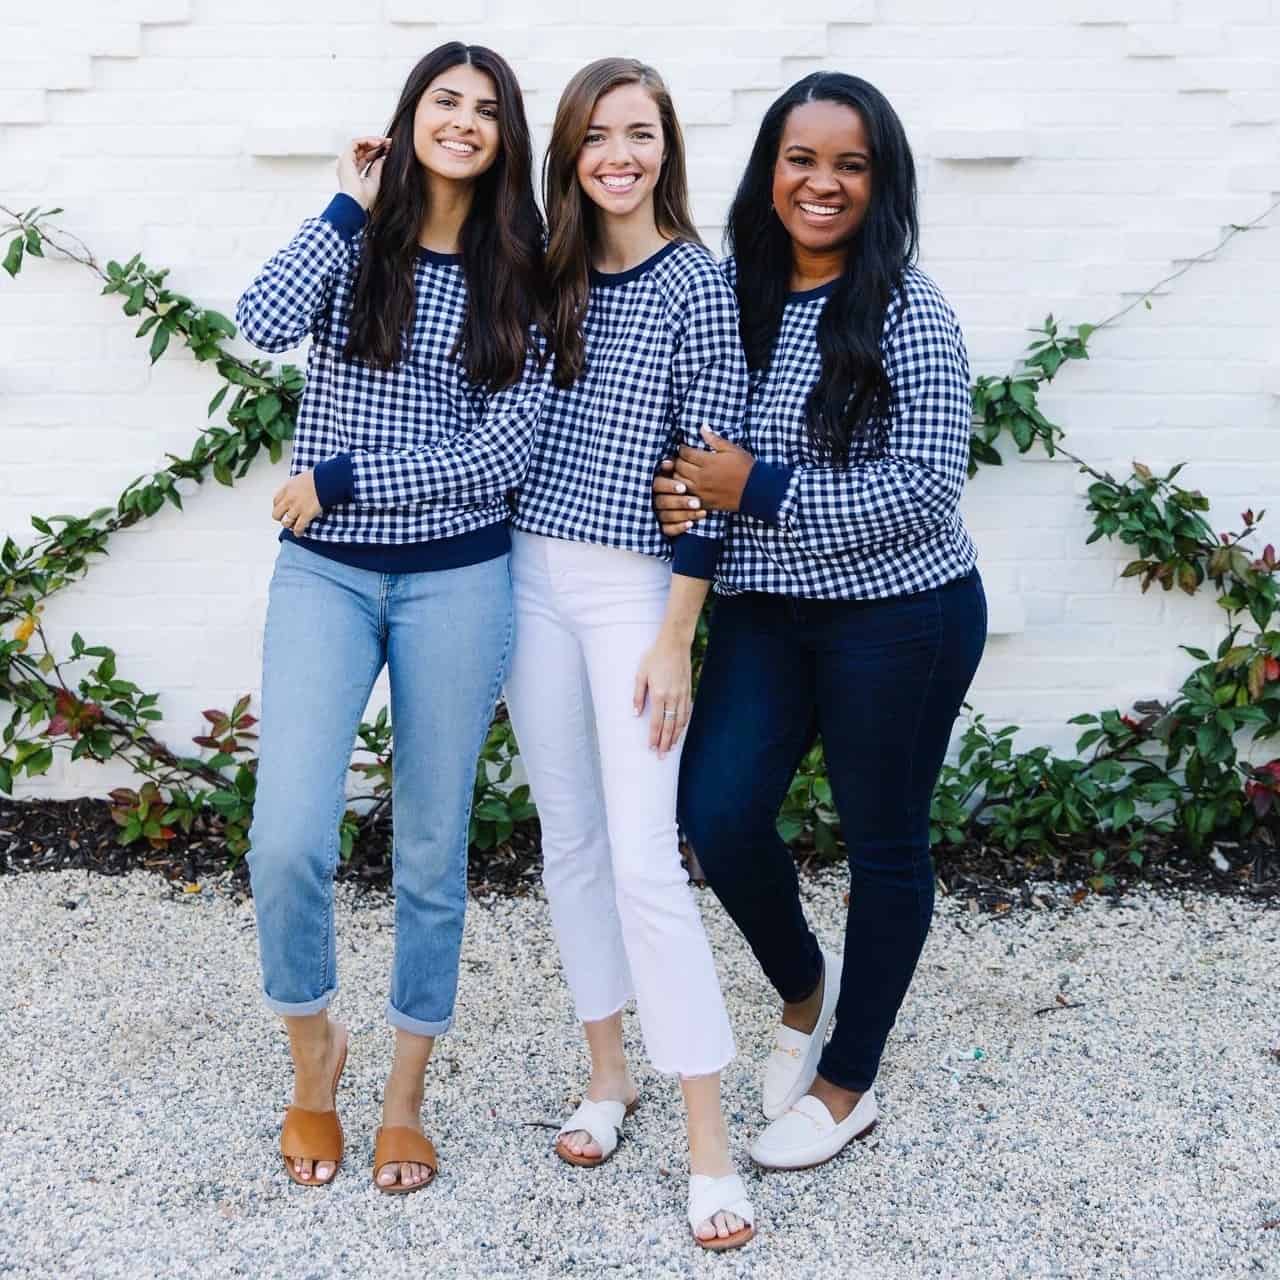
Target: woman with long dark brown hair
[(419, 287), (646, 338)]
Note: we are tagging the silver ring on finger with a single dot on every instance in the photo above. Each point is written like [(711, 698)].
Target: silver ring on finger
[(668, 714)]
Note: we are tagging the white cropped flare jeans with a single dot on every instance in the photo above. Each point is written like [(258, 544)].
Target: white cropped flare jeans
[(623, 912)]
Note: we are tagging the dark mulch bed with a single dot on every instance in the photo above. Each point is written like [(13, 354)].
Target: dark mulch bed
[(53, 835)]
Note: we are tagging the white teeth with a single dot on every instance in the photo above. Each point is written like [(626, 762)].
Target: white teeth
[(458, 148), (823, 210), (623, 182)]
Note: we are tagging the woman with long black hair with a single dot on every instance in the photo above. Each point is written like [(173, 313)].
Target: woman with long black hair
[(849, 604), (419, 286)]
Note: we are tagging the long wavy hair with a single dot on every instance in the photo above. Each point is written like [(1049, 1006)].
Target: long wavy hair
[(571, 213), (853, 395), (501, 239)]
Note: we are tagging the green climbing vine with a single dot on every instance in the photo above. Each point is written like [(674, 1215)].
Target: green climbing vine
[(1173, 771)]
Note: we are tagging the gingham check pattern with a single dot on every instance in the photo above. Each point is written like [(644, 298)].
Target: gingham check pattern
[(432, 455), (889, 523), (663, 357)]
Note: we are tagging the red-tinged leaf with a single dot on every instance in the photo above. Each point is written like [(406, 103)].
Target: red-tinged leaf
[(120, 817), (1269, 556), (1257, 677), (1261, 802), (204, 740), (212, 716), (1135, 567), (123, 795), (1226, 539), (1273, 670), (1247, 516), (246, 722), (1187, 579), (242, 705)]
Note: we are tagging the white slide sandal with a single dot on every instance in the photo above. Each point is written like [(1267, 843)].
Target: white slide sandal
[(709, 1196), (602, 1120), (793, 1064)]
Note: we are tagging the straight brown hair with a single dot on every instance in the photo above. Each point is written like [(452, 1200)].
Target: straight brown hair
[(501, 240), (571, 214)]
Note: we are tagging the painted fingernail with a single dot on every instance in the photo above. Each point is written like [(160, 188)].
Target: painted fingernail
[(680, 488), (693, 503), (688, 524)]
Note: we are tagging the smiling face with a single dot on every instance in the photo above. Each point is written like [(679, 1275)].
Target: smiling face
[(822, 176), (620, 160), (455, 125)]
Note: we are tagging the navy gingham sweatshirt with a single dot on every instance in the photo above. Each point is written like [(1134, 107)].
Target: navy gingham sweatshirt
[(888, 524), (413, 464), (663, 357)]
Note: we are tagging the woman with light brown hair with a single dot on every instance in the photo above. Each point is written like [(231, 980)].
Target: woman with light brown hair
[(645, 331)]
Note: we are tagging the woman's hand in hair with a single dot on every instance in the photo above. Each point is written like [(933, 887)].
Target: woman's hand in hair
[(295, 504), (357, 177), (678, 508), (718, 477)]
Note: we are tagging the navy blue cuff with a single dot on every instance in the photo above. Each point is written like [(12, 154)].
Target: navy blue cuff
[(696, 557), (764, 491), (344, 215), (335, 481)]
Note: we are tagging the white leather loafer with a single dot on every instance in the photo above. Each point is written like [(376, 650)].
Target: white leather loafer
[(808, 1134), (791, 1067)]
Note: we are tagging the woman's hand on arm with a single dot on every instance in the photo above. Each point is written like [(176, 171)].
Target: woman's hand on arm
[(665, 675), (716, 477), (678, 509), (698, 481)]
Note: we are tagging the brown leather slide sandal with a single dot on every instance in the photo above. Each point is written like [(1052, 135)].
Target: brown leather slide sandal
[(402, 1145), (313, 1135)]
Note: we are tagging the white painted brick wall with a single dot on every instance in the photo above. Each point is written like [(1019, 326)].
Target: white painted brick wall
[(1071, 153)]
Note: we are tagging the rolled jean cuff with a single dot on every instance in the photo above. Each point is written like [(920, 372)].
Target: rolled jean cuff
[(415, 1026), (300, 1008)]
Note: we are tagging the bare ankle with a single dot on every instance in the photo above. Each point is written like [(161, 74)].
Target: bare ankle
[(838, 1100)]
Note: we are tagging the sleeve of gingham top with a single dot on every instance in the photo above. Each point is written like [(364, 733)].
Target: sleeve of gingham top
[(709, 385), (282, 305), (917, 484), (475, 465)]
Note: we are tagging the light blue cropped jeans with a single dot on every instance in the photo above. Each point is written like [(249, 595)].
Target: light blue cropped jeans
[(445, 636)]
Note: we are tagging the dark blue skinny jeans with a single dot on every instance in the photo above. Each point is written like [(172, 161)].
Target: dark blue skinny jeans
[(882, 681)]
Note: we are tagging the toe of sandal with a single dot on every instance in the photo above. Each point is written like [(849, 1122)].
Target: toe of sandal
[(709, 1196), (311, 1135), (402, 1145)]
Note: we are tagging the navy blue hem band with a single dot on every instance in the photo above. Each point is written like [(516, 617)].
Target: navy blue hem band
[(489, 543), (765, 489), (344, 215), (696, 557), (335, 480)]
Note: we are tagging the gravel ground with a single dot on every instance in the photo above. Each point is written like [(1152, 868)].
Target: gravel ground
[(1132, 1131)]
